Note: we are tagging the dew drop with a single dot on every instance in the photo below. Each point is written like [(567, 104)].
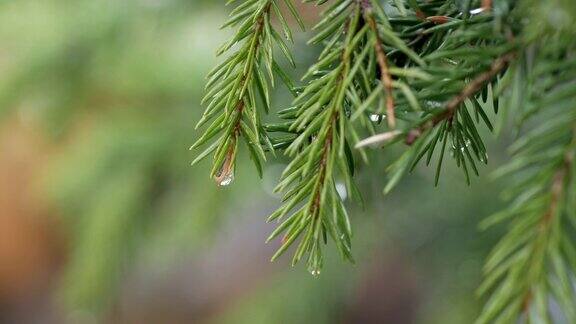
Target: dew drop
[(314, 271), (433, 104), (342, 192), (225, 175), (226, 179), (484, 158), (376, 117)]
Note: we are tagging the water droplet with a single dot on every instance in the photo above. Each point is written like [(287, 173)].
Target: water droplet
[(433, 104), (467, 142), (342, 192), (225, 175), (226, 179), (314, 271), (376, 117)]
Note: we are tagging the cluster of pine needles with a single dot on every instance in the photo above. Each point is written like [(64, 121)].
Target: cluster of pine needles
[(427, 75)]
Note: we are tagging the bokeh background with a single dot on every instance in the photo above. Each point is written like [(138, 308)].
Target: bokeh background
[(102, 220)]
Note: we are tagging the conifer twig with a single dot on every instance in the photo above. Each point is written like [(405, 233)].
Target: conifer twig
[(237, 87), (470, 90), (382, 62), (312, 175), (477, 83)]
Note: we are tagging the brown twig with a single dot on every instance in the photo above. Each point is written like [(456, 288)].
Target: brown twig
[(470, 90), (487, 4), (315, 207), (228, 164), (476, 85), (438, 19), (328, 144), (382, 63), (227, 168), (557, 189)]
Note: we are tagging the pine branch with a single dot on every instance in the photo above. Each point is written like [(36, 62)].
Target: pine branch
[(436, 67), (311, 174), (530, 261), (321, 128), (382, 62), (472, 88), (454, 93), (450, 109), (534, 263), (234, 86)]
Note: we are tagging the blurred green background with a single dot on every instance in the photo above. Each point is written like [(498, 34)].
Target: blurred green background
[(102, 220)]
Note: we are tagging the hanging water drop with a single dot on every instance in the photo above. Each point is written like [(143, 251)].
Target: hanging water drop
[(225, 175), (376, 117), (226, 180), (433, 104), (484, 158), (453, 150), (342, 192), (314, 271)]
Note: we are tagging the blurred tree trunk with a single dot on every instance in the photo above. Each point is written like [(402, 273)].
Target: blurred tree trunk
[(30, 247)]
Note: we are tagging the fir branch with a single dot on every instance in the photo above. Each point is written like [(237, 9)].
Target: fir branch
[(341, 91), (235, 85), (441, 105), (474, 86), (534, 263), (310, 177), (469, 91), (436, 67), (450, 109), (382, 62)]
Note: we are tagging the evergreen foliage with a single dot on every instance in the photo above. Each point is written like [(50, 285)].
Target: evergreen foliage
[(234, 86), (425, 73)]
